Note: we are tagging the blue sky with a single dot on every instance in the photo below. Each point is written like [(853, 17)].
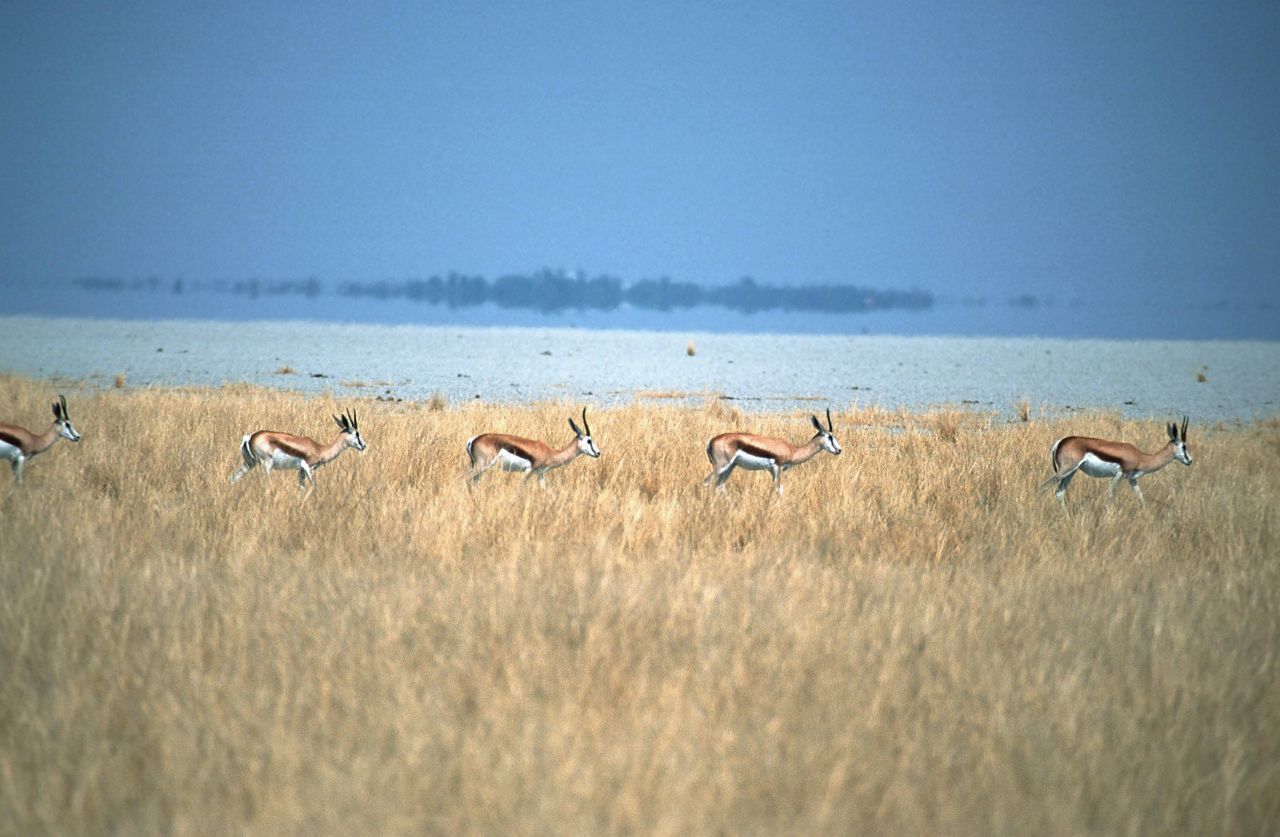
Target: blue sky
[(964, 148)]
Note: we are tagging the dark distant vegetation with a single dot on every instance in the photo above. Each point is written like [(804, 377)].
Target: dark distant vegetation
[(551, 291)]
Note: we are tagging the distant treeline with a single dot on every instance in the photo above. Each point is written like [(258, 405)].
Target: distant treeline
[(551, 291)]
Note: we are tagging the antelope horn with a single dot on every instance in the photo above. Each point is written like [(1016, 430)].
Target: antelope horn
[(585, 427), (830, 426), (1185, 419)]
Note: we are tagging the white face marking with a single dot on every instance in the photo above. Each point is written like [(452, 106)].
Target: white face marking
[(588, 446), (66, 431), (829, 442), (753, 463), (508, 461), (1095, 467), (1181, 454), (356, 441)]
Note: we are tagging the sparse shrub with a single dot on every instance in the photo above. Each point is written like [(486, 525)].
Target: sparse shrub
[(437, 402), (946, 424), (1022, 409)]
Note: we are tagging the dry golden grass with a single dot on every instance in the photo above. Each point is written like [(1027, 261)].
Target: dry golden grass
[(915, 639)]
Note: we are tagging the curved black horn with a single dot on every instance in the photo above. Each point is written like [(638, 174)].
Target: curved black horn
[(830, 427), (585, 427), (1185, 419)]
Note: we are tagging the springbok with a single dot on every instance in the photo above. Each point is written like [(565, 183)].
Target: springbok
[(17, 444), (300, 453), (763, 453), (513, 453), (1115, 460)]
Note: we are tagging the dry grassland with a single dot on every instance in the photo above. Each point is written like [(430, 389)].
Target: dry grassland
[(915, 639)]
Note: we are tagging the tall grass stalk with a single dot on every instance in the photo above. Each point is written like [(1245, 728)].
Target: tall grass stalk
[(914, 639)]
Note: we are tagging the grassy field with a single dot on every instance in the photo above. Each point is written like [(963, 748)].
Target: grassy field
[(915, 639)]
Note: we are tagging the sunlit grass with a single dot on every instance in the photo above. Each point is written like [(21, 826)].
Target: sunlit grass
[(915, 638)]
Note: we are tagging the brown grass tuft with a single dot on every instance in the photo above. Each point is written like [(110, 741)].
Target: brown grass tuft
[(914, 639)]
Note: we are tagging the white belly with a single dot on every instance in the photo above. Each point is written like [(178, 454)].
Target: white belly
[(285, 461), (508, 461), (753, 463), (8, 451), (1095, 467)]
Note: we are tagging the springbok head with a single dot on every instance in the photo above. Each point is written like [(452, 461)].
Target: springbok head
[(827, 433), (60, 418), (585, 443), (1178, 438), (350, 430)]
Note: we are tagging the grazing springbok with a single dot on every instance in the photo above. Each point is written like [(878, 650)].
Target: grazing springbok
[(300, 453), (763, 453), (512, 453), (1115, 460), (17, 444)]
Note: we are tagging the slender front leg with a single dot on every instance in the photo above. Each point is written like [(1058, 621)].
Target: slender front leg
[(17, 469), (777, 478), (1133, 483), (305, 476)]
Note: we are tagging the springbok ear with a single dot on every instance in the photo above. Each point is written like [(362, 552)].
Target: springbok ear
[(341, 421), (1172, 431), (817, 424), (576, 431)]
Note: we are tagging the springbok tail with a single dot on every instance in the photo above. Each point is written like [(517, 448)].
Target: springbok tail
[(247, 452), (471, 455)]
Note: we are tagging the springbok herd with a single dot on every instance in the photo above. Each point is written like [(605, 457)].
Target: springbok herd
[(272, 449)]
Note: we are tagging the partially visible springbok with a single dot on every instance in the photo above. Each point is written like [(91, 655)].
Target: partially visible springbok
[(534, 458), (1114, 460), (283, 450), (764, 453), (17, 444)]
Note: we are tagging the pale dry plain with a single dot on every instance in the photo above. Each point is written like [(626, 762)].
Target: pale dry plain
[(915, 639)]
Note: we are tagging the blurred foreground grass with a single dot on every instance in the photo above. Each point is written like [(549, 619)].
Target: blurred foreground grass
[(914, 639)]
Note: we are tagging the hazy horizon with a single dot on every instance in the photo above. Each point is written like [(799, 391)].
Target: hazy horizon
[(1122, 157)]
